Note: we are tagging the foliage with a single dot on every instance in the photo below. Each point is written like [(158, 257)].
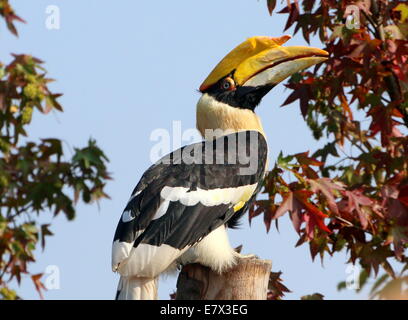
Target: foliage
[(276, 288), (35, 176), (355, 201), (314, 296)]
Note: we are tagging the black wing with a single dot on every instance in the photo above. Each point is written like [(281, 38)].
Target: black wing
[(230, 165)]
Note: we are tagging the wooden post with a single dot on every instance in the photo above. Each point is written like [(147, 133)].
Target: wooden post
[(247, 280)]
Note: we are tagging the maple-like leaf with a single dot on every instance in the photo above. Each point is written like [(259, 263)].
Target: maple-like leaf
[(7, 12), (393, 201), (313, 218), (301, 210), (304, 159), (383, 123), (374, 257), (267, 208), (399, 237), (294, 207), (39, 286), (327, 187), (276, 289), (355, 200), (302, 92)]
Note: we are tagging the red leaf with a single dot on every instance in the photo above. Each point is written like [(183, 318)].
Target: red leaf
[(313, 216), (383, 122), (304, 159), (301, 93), (327, 187), (269, 215), (356, 199), (403, 195), (293, 16), (268, 208), (276, 289), (38, 284), (393, 201), (301, 210), (256, 209), (291, 204)]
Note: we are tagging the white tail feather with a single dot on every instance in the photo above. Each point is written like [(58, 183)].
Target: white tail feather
[(134, 288)]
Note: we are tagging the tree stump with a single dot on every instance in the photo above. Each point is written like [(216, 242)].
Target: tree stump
[(247, 280)]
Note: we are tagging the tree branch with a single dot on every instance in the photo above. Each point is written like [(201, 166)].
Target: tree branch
[(393, 87), (247, 280)]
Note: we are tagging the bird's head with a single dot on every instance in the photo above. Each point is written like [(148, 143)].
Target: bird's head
[(254, 67)]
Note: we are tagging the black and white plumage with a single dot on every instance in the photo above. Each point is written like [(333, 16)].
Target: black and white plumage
[(177, 204), (179, 211)]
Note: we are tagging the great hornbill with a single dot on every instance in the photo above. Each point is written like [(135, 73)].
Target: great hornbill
[(183, 204)]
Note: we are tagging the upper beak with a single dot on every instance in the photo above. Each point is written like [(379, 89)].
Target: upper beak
[(262, 61)]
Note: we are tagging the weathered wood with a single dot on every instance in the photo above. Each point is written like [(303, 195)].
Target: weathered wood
[(247, 280)]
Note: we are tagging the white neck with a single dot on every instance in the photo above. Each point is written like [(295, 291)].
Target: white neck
[(221, 119)]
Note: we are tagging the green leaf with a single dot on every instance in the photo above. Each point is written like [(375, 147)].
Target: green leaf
[(8, 294), (341, 285), (283, 162), (364, 275), (314, 296), (378, 283)]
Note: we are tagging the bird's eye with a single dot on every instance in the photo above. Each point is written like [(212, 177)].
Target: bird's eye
[(228, 84)]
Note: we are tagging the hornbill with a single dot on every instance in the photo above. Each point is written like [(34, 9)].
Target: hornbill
[(183, 204)]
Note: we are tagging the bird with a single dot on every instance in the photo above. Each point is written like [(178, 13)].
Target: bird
[(181, 208)]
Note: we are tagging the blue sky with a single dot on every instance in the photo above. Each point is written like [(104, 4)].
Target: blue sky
[(127, 68)]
